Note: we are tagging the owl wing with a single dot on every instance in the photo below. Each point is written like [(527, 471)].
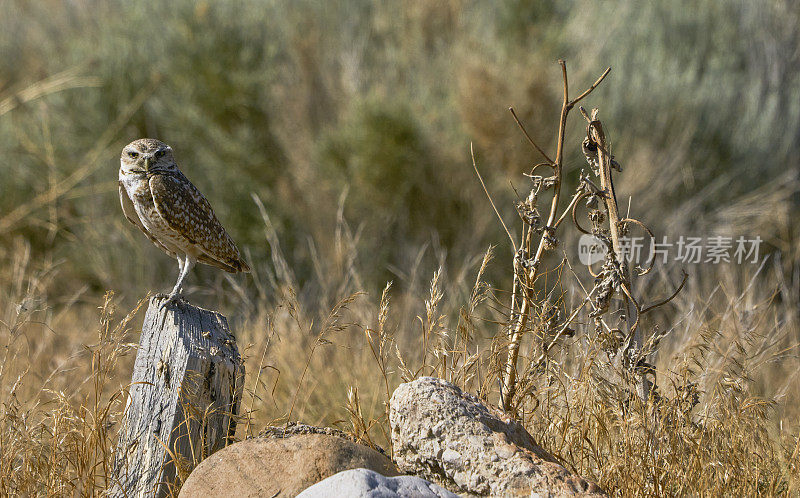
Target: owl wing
[(188, 212), (133, 217)]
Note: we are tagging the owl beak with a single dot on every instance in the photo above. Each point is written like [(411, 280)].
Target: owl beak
[(147, 160)]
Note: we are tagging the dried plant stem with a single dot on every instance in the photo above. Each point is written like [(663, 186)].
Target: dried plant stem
[(520, 319), (564, 328), (483, 184), (530, 140), (634, 342)]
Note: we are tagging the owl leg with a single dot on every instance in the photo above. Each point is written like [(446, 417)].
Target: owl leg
[(180, 272), (185, 266)]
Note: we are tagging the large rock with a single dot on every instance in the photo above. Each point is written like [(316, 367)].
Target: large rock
[(280, 466), (449, 437), (367, 483)]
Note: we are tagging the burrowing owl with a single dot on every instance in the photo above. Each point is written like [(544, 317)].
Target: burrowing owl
[(163, 203)]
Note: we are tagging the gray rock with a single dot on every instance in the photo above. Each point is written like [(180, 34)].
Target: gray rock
[(369, 484), (471, 448)]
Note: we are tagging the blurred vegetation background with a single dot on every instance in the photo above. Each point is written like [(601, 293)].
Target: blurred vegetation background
[(333, 141), (365, 111)]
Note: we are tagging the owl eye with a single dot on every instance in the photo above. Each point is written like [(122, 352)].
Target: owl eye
[(160, 153), (133, 155)]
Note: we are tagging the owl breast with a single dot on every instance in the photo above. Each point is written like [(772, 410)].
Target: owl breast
[(155, 224)]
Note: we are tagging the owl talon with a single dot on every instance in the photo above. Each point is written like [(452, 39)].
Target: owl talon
[(175, 299)]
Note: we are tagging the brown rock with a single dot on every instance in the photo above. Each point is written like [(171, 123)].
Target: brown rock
[(276, 467)]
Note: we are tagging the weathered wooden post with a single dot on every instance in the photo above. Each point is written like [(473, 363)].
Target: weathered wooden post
[(184, 398)]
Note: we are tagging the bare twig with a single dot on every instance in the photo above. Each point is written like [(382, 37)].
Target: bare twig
[(475, 166), (530, 140), (670, 298), (591, 88), (644, 227), (564, 327)]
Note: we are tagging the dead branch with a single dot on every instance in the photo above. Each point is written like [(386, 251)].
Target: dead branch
[(547, 238)]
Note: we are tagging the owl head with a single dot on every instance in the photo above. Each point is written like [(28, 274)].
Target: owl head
[(147, 156)]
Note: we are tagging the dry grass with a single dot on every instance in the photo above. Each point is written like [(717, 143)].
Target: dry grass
[(724, 424)]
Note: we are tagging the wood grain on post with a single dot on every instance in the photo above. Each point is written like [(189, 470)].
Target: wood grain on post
[(184, 398)]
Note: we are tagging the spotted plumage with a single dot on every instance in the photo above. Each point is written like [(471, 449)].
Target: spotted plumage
[(157, 197)]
